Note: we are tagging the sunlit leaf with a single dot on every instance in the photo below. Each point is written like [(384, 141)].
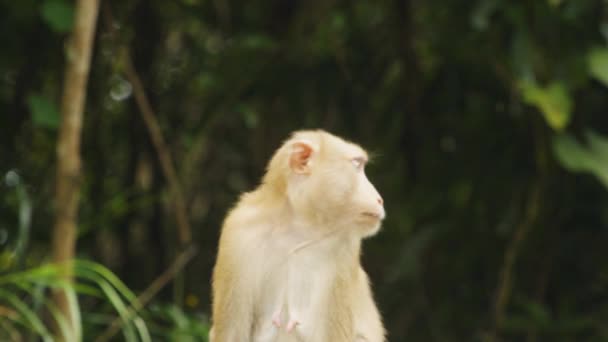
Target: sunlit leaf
[(553, 101), (39, 274), (598, 64), (570, 153), (58, 14), (576, 157), (44, 112)]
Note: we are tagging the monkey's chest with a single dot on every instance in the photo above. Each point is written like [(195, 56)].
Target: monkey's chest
[(294, 293)]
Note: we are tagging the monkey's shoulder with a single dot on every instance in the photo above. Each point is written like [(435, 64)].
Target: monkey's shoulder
[(243, 214), (248, 219)]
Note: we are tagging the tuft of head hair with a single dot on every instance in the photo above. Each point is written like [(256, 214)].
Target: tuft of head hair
[(279, 169)]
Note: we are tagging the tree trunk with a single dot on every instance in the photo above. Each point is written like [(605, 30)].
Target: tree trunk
[(78, 60)]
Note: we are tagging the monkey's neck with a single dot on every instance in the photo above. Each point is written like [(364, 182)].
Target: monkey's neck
[(311, 229), (354, 244)]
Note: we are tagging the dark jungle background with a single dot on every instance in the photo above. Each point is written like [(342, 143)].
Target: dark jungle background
[(487, 118)]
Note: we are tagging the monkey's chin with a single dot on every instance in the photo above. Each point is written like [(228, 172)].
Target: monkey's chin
[(371, 231), (369, 228)]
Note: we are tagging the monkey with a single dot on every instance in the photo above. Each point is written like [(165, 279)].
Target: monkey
[(288, 262)]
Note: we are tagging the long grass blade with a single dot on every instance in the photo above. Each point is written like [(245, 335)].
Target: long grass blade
[(61, 320), (30, 316), (109, 276), (95, 271), (7, 326)]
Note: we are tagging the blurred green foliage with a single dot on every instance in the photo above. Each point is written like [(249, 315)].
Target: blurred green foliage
[(58, 14), (487, 119), (44, 112)]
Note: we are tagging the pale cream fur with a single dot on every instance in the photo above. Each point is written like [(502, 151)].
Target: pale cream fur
[(289, 251)]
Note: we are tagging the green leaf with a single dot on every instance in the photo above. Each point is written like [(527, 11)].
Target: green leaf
[(571, 154), (115, 289), (104, 272), (86, 274), (599, 149), (598, 64), (38, 274), (30, 317), (578, 158), (74, 310), (553, 101), (58, 14), (62, 322), (120, 307), (599, 145), (44, 112)]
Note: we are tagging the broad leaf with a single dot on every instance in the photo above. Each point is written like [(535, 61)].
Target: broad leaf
[(553, 101), (571, 154), (578, 158), (598, 64)]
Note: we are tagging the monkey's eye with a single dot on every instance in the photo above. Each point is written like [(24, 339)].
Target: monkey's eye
[(358, 163)]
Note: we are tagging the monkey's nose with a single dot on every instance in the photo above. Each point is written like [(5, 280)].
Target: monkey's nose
[(380, 201)]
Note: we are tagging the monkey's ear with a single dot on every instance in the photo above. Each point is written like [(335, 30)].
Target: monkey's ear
[(300, 157)]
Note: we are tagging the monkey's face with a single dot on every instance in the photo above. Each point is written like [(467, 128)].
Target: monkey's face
[(329, 185), (367, 203), (346, 190)]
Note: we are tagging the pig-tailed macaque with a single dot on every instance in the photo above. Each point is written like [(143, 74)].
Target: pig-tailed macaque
[(288, 265)]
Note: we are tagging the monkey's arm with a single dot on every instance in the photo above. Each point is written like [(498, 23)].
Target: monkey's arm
[(368, 324), (232, 296)]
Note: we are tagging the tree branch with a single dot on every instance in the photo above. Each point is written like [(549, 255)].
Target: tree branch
[(505, 283), (164, 155), (78, 61)]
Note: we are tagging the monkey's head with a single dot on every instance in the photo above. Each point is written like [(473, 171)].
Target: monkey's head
[(323, 179)]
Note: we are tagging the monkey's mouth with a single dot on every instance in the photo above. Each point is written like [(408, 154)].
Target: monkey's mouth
[(372, 215)]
